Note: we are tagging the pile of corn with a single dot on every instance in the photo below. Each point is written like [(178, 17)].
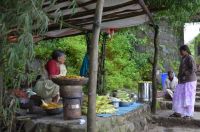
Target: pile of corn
[(72, 77), (103, 105), (51, 105)]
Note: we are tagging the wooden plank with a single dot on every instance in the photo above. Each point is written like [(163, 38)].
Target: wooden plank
[(105, 18), (90, 20), (67, 7), (92, 11), (91, 117), (117, 15), (63, 32), (84, 7), (53, 8)]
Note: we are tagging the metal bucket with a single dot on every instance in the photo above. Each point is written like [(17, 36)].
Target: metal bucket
[(145, 92)]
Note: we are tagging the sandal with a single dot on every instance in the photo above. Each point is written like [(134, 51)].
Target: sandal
[(187, 117), (175, 115)]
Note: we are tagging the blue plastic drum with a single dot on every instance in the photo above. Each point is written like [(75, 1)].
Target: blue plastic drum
[(163, 78)]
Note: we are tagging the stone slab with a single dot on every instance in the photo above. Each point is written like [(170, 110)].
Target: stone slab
[(198, 93), (168, 105), (173, 129), (163, 119)]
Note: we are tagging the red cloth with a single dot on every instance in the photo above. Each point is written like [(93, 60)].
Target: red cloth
[(52, 68)]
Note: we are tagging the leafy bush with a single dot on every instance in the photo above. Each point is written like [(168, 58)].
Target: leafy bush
[(125, 66), (74, 48)]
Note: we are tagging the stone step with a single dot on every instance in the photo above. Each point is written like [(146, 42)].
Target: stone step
[(198, 73), (198, 89), (163, 119), (198, 93), (167, 105), (197, 99)]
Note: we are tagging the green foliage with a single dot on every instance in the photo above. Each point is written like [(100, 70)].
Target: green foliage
[(177, 12), (125, 65), (120, 68), (194, 48), (74, 48), (22, 19)]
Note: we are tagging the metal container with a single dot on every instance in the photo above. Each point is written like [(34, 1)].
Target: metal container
[(72, 98), (145, 92), (71, 91), (72, 108), (116, 104)]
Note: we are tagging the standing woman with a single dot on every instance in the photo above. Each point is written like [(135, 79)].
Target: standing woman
[(184, 95)]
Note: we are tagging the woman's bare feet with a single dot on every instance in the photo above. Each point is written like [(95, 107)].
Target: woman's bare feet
[(56, 98)]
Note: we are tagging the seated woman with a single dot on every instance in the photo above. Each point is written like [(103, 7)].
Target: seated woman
[(170, 84), (45, 88)]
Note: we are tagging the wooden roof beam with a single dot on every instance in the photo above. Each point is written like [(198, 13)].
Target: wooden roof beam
[(106, 18), (81, 5), (143, 5), (92, 11)]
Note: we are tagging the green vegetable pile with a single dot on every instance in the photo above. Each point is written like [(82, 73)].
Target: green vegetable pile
[(103, 105), (123, 96)]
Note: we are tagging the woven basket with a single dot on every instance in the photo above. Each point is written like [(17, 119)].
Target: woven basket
[(71, 81)]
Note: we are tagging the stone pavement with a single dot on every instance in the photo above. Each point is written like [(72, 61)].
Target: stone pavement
[(173, 129)]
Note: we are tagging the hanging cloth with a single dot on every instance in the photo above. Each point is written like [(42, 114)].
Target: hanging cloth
[(85, 66)]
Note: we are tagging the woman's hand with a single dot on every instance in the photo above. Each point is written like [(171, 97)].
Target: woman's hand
[(55, 76)]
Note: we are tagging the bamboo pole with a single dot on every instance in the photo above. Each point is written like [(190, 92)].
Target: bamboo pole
[(91, 117)]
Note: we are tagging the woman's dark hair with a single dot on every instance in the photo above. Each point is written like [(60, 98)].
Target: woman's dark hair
[(169, 72), (185, 48), (56, 54)]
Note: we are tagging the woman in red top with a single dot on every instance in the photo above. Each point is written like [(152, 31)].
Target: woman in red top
[(46, 88), (53, 65)]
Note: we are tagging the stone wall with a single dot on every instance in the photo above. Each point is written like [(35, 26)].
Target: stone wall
[(169, 42), (135, 121)]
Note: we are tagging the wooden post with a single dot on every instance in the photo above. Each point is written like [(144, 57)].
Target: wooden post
[(156, 46), (154, 82), (91, 116)]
